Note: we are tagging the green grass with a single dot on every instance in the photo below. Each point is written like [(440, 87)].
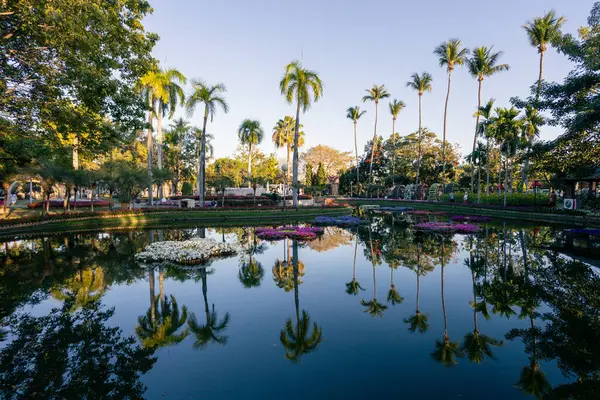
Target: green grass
[(174, 218)]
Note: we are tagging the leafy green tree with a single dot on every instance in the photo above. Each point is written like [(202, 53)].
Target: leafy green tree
[(283, 136), (302, 86), (483, 63), (421, 84), (320, 178), (532, 121), (376, 93), (211, 97), (354, 113), (250, 133), (308, 175), (450, 54)]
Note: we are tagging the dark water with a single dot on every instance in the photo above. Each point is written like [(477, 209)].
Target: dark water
[(378, 311)]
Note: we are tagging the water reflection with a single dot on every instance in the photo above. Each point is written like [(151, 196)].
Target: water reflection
[(501, 296)]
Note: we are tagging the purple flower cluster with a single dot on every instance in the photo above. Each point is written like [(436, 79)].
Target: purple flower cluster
[(584, 231), (344, 220), (446, 227), (470, 218), (292, 232)]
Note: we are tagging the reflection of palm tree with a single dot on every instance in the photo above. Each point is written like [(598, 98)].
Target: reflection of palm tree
[(373, 307), (213, 329), (86, 286), (353, 286), (251, 274), (162, 329), (532, 380), (393, 295), (418, 321), (301, 340), (446, 351)]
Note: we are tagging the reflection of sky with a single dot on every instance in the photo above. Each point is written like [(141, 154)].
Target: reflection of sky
[(359, 355)]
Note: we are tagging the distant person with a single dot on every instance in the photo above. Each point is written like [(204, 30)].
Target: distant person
[(451, 197), (552, 201), (466, 197), (13, 199)]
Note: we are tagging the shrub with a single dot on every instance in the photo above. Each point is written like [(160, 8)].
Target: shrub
[(60, 204), (187, 189), (512, 199)]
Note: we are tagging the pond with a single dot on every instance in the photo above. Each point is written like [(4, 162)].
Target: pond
[(378, 309)]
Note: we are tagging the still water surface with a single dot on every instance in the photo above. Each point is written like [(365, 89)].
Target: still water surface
[(378, 310)]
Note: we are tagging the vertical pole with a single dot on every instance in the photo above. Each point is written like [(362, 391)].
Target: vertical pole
[(30, 190)]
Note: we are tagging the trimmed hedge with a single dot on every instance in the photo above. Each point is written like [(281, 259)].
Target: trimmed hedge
[(512, 199)]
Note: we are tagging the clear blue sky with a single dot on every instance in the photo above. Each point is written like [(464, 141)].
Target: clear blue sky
[(352, 44)]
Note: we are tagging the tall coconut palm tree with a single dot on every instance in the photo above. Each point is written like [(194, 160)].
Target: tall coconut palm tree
[(395, 107), (250, 133), (299, 340), (483, 63), (283, 136), (541, 32), (354, 113), (353, 286), (420, 83), (211, 96), (486, 130), (450, 54), (376, 93), (304, 87)]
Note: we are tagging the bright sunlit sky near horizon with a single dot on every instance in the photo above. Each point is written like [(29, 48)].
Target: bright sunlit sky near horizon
[(352, 44)]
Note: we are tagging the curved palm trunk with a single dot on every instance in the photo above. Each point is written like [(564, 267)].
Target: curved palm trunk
[(150, 146), (444, 135), (480, 79), (202, 166), (374, 143), (159, 144), (443, 299), (419, 137), (356, 153), (295, 161), (249, 164), (393, 152)]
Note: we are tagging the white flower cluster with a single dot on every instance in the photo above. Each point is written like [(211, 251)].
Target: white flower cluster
[(187, 252)]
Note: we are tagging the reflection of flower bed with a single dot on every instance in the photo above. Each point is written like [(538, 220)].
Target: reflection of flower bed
[(584, 231), (292, 232), (195, 251), (344, 220), (470, 218), (426, 212), (446, 227)]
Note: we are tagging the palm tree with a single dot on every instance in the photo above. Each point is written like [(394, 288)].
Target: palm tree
[(376, 93), (212, 98), (420, 83), (301, 339), (450, 53), (162, 329), (483, 63), (354, 113), (212, 330), (353, 286), (541, 32), (250, 133), (395, 108), (283, 135), (485, 129), (532, 120), (302, 86)]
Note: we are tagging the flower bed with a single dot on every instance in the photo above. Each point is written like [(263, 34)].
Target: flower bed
[(446, 227), (470, 218), (291, 232), (60, 204), (195, 251), (344, 220), (584, 231)]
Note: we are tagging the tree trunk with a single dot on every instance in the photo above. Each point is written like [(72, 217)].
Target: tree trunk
[(374, 144), (152, 295), (539, 87), (505, 179), (201, 170), (444, 134), (295, 161), (223, 199), (419, 138), (393, 152), (499, 171), (250, 165), (443, 298), (150, 146), (159, 143), (75, 153), (287, 171), (480, 79), (487, 167), (479, 179), (356, 153)]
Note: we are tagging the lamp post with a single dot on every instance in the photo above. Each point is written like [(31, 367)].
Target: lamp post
[(284, 169)]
